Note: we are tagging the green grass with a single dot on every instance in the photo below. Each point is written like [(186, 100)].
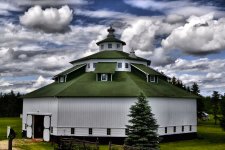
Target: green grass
[(210, 137), (30, 145), (15, 123)]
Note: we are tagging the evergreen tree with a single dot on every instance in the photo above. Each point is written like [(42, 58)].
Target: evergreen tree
[(215, 104), (222, 121), (174, 81), (195, 89), (142, 131)]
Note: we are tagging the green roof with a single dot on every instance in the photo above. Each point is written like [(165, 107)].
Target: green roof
[(147, 70), (111, 39), (124, 84), (70, 70), (105, 67), (110, 54)]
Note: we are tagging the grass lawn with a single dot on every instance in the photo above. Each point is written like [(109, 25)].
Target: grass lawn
[(15, 123)]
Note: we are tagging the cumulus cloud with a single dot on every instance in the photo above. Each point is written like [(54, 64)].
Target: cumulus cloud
[(200, 35), (6, 7), (50, 19)]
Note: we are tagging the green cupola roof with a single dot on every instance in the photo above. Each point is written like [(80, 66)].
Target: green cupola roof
[(111, 37)]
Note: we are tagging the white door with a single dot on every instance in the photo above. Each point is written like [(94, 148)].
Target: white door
[(46, 132), (29, 126)]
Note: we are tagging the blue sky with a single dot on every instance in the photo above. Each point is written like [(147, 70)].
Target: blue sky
[(39, 38)]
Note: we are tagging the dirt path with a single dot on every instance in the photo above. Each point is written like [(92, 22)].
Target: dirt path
[(4, 145)]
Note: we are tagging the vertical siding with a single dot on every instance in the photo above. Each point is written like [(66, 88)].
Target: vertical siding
[(103, 113), (41, 106)]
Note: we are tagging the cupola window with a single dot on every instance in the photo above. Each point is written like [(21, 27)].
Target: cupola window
[(104, 77), (102, 46), (109, 45), (126, 65), (119, 65), (94, 65), (88, 65)]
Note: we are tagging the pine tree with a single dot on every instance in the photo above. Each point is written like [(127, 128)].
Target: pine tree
[(215, 105), (195, 89), (142, 131)]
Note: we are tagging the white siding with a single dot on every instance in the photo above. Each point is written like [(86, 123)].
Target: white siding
[(123, 61), (41, 106), (103, 113), (114, 46)]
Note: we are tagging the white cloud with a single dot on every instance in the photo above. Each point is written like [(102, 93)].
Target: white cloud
[(49, 2), (50, 19), (200, 35), (41, 81), (185, 8)]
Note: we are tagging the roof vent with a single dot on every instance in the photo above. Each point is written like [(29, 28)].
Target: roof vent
[(132, 53)]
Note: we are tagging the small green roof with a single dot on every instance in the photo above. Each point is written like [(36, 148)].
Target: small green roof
[(111, 54), (105, 67), (124, 84), (147, 70), (111, 39), (74, 68)]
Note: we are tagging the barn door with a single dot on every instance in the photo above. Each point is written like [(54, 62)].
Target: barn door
[(29, 126), (46, 132)]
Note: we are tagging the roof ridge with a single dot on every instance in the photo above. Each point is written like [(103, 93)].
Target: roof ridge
[(134, 82)]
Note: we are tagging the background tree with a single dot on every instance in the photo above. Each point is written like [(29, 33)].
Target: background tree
[(215, 105), (222, 121), (195, 90), (142, 131)]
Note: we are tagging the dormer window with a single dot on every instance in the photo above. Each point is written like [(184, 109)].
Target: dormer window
[(109, 45), (119, 65), (117, 45), (152, 78), (94, 65), (61, 79), (88, 65), (102, 46), (104, 77)]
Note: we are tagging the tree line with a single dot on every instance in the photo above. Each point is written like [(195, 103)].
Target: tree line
[(10, 104)]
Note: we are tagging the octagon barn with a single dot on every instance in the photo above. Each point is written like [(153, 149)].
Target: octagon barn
[(92, 99)]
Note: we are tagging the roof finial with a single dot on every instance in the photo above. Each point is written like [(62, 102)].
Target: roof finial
[(132, 53), (111, 32)]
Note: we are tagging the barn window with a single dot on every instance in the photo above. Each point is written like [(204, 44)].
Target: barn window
[(88, 65), (126, 131), (190, 128), (109, 45), (152, 78), (104, 77), (182, 128), (94, 65), (72, 130), (119, 65), (108, 131), (90, 131), (61, 79), (102, 46), (165, 129), (126, 65), (174, 129)]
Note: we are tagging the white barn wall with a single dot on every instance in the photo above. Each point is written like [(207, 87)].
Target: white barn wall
[(41, 106), (103, 113)]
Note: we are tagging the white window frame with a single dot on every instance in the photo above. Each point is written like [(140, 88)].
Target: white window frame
[(126, 65), (121, 65), (110, 44), (61, 79), (152, 78), (102, 46), (106, 77)]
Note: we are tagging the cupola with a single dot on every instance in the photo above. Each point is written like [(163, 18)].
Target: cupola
[(111, 42)]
